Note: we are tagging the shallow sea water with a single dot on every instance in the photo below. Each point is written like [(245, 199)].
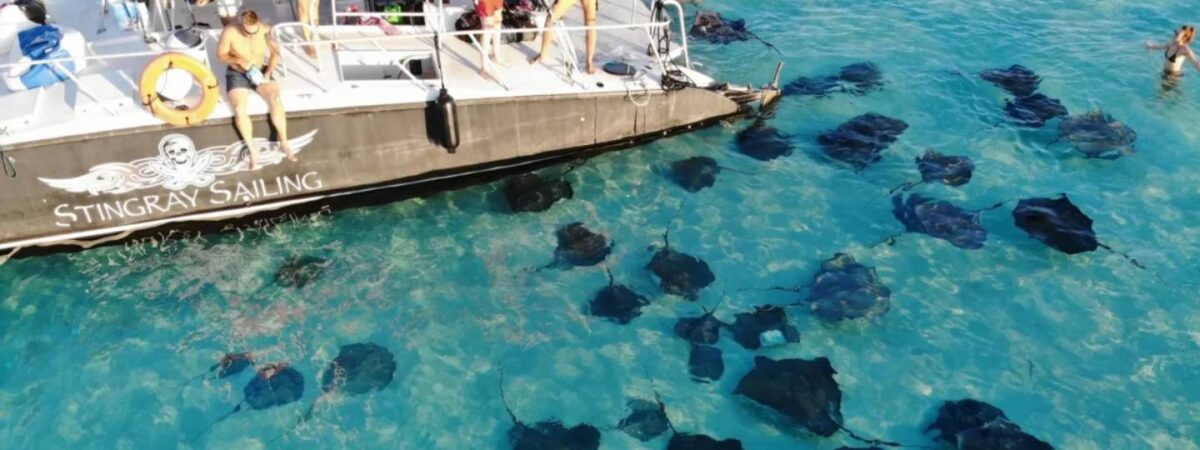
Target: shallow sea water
[(1084, 351)]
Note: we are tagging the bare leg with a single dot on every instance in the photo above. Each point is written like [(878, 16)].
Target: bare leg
[(241, 121), (589, 19), (270, 92), (557, 12), (486, 43), (307, 14), (497, 26)]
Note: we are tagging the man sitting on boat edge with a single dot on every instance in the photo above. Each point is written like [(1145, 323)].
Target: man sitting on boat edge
[(243, 48)]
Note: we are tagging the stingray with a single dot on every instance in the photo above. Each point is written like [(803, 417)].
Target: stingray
[(274, 385), (942, 220), (706, 363), (646, 420), (712, 27), (1097, 135), (1017, 80), (531, 192), (549, 434), (686, 441), (680, 273), (358, 369), (299, 271), (845, 289), (703, 330), (697, 173), (229, 365), (580, 247), (1034, 110), (813, 87), (974, 425), (802, 390), (860, 140), (617, 302), (1061, 225), (766, 326), (763, 142), (935, 167), (861, 78)]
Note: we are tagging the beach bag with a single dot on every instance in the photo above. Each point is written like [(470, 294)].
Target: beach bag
[(394, 7), (469, 21), (516, 19)]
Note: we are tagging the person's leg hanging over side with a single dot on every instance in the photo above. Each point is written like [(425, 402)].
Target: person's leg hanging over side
[(241, 121), (270, 92)]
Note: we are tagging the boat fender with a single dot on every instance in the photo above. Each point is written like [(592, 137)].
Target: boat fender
[(448, 112), (162, 107)]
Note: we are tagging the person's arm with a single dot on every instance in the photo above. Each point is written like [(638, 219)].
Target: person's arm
[(273, 47), (1153, 46), (1191, 56), (226, 55)]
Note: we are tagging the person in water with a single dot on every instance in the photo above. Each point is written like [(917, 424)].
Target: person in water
[(491, 18), (556, 13), (244, 48), (1177, 51)]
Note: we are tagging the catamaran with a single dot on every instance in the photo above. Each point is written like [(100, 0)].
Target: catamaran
[(114, 123)]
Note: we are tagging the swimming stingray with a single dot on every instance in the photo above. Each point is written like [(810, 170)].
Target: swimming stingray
[(703, 330), (531, 192), (549, 434), (857, 78), (686, 441), (358, 369), (680, 273), (1034, 110), (1097, 135), (697, 173), (712, 27), (763, 142), (935, 167), (706, 363), (766, 326), (580, 247), (617, 302), (941, 219), (860, 140), (229, 365), (274, 385), (975, 425), (1017, 80), (1061, 225), (845, 289), (646, 420), (802, 390), (299, 271)]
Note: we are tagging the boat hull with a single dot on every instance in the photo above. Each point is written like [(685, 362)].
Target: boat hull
[(78, 192)]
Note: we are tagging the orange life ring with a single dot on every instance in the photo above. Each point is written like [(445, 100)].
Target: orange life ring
[(148, 87)]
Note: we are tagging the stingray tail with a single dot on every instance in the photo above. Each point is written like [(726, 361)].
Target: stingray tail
[(905, 186), (1134, 261), (890, 240), (215, 422), (868, 441), (764, 41), (662, 407), (608, 271), (504, 400)]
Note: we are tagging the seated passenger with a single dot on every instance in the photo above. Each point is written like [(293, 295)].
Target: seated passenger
[(244, 48)]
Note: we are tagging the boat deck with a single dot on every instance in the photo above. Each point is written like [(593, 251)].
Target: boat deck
[(104, 99)]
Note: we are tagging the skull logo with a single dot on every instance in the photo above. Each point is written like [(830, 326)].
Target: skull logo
[(177, 150)]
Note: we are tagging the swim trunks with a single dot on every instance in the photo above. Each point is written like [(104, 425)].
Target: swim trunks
[(485, 8)]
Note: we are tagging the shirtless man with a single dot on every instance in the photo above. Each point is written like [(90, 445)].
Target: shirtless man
[(243, 48)]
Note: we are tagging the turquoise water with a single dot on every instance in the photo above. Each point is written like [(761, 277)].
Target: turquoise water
[(1084, 351)]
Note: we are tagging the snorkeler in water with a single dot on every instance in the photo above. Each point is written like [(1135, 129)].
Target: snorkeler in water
[(1177, 51)]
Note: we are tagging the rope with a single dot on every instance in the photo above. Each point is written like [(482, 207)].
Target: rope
[(629, 94)]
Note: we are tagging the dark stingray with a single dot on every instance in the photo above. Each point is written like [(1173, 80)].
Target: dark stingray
[(813, 87), (680, 273), (801, 390), (686, 441), (763, 142), (299, 271), (712, 27), (274, 385), (703, 330), (1097, 135), (940, 219), (861, 78), (765, 326), (646, 420), (697, 173), (972, 424), (617, 302), (860, 140), (358, 369), (533, 193), (550, 434), (1017, 80), (706, 363), (935, 167), (1061, 225), (580, 247), (229, 365), (1034, 110), (845, 289)]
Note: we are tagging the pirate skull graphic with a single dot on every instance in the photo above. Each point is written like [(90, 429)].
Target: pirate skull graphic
[(177, 150)]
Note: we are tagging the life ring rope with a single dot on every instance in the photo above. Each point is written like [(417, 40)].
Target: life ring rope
[(201, 74)]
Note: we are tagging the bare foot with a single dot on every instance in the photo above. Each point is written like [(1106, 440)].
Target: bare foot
[(536, 59), (498, 61), (311, 51), (591, 69), (287, 151)]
